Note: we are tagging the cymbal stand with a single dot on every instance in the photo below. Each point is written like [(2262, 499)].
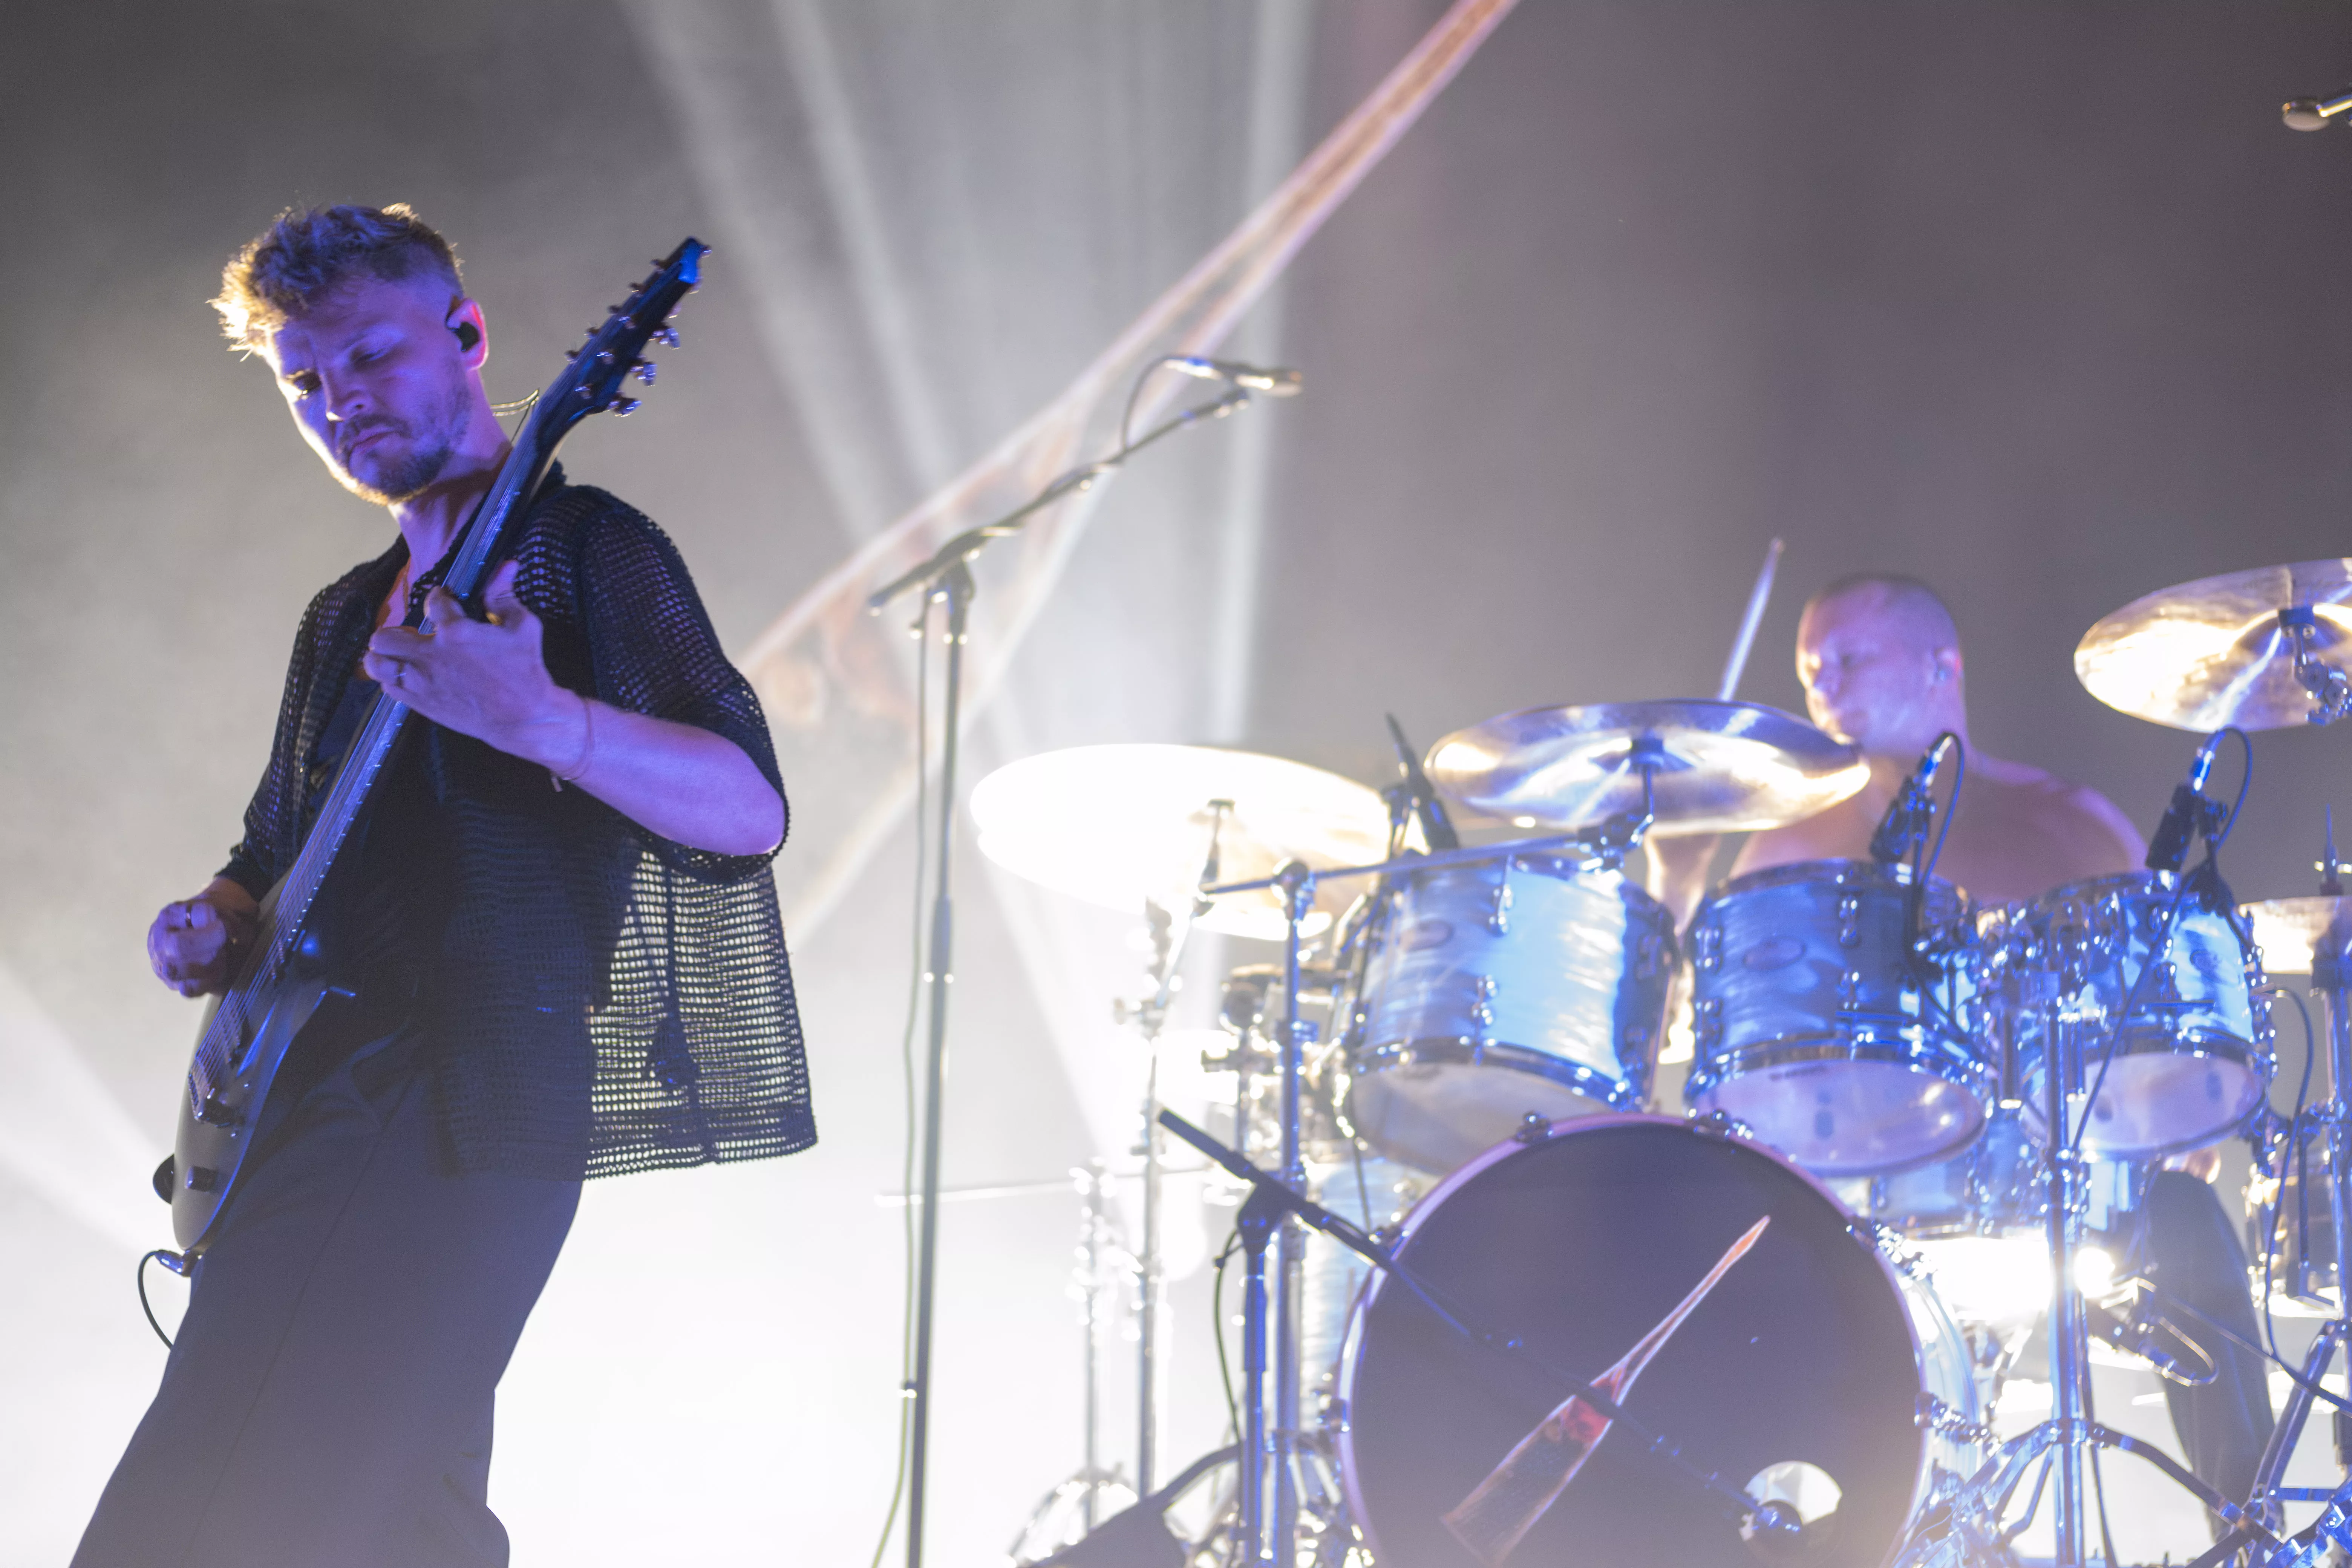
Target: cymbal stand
[(1170, 936), (2331, 988), (2066, 1446)]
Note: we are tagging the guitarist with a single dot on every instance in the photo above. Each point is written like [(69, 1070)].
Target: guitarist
[(554, 920)]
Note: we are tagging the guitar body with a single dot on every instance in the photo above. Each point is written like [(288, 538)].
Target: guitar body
[(285, 977), (211, 1146)]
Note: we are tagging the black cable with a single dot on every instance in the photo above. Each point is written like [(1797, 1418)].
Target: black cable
[(2099, 1490), (906, 1066), (2189, 880), (2294, 1144), (1217, 1308), (2168, 1298), (144, 1259)]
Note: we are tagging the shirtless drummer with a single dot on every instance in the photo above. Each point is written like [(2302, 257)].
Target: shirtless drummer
[(1880, 659)]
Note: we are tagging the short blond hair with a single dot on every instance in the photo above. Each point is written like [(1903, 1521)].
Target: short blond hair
[(308, 253)]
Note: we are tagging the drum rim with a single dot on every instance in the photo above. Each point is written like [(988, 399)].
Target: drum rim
[(1558, 867), (1866, 1234), (2263, 1064), (1708, 1071), (1462, 1050), (1829, 869)]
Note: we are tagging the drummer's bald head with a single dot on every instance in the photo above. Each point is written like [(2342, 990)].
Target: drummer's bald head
[(1901, 601)]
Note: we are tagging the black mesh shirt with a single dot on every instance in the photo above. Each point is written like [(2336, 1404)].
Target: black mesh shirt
[(598, 999)]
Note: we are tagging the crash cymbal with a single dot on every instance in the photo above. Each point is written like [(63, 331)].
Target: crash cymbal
[(1117, 824), (2218, 651), (2288, 930), (1716, 767)]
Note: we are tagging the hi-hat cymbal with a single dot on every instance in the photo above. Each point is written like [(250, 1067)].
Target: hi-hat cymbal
[(2289, 930), (1715, 767), (1117, 824), (2219, 651)]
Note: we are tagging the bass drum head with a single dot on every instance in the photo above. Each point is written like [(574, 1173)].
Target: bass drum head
[(1803, 1353)]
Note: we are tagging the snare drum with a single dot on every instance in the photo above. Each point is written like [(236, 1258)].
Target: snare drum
[(1496, 989), (1818, 1024), (2194, 1054), (1815, 1369)]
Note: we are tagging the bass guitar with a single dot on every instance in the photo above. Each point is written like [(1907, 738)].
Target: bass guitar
[(285, 974)]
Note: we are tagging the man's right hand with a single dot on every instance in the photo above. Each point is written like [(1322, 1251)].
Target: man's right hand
[(195, 944)]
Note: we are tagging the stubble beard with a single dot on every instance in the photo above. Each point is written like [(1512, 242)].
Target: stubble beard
[(413, 475)]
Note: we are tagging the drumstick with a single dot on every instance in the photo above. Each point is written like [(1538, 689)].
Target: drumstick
[(1493, 1519), (1736, 665)]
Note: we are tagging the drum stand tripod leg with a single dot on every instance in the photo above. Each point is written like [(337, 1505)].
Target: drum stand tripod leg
[(2331, 977), (2070, 1393)]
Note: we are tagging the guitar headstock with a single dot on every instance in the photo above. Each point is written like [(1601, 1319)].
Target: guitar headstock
[(593, 382)]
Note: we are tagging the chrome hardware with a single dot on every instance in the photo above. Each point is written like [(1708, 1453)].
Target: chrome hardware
[(644, 369), (624, 406), (1499, 920), (1849, 991), (1849, 913), (1933, 1416), (1721, 1124), (1534, 1127), (1482, 1011), (201, 1179), (1707, 946), (666, 336)]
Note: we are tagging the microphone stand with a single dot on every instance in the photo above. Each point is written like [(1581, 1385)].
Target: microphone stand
[(946, 577)]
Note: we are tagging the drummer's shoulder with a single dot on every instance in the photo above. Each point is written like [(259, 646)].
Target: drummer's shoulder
[(2071, 810)]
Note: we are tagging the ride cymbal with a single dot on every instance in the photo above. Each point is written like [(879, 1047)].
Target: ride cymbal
[(1712, 767)]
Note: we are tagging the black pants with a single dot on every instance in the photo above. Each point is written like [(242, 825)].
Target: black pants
[(329, 1398), (2197, 1258)]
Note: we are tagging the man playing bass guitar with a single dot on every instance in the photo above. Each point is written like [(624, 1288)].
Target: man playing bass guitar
[(552, 936)]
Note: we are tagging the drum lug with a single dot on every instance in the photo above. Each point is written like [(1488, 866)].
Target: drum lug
[(1849, 991), (1707, 946), (1721, 1124), (1890, 1244), (1535, 1128), (1849, 919), (1500, 920), (1482, 1011)]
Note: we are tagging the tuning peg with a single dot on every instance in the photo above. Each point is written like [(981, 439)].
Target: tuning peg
[(624, 406), (666, 336), (644, 369)]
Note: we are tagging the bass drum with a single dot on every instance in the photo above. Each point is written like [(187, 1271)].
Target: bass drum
[(1804, 1374)]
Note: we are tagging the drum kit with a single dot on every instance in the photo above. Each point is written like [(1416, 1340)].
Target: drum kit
[(1453, 1071)]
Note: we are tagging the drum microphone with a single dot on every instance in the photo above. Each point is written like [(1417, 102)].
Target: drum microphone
[(1272, 380), (1913, 810), (2189, 812), (1436, 828)]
